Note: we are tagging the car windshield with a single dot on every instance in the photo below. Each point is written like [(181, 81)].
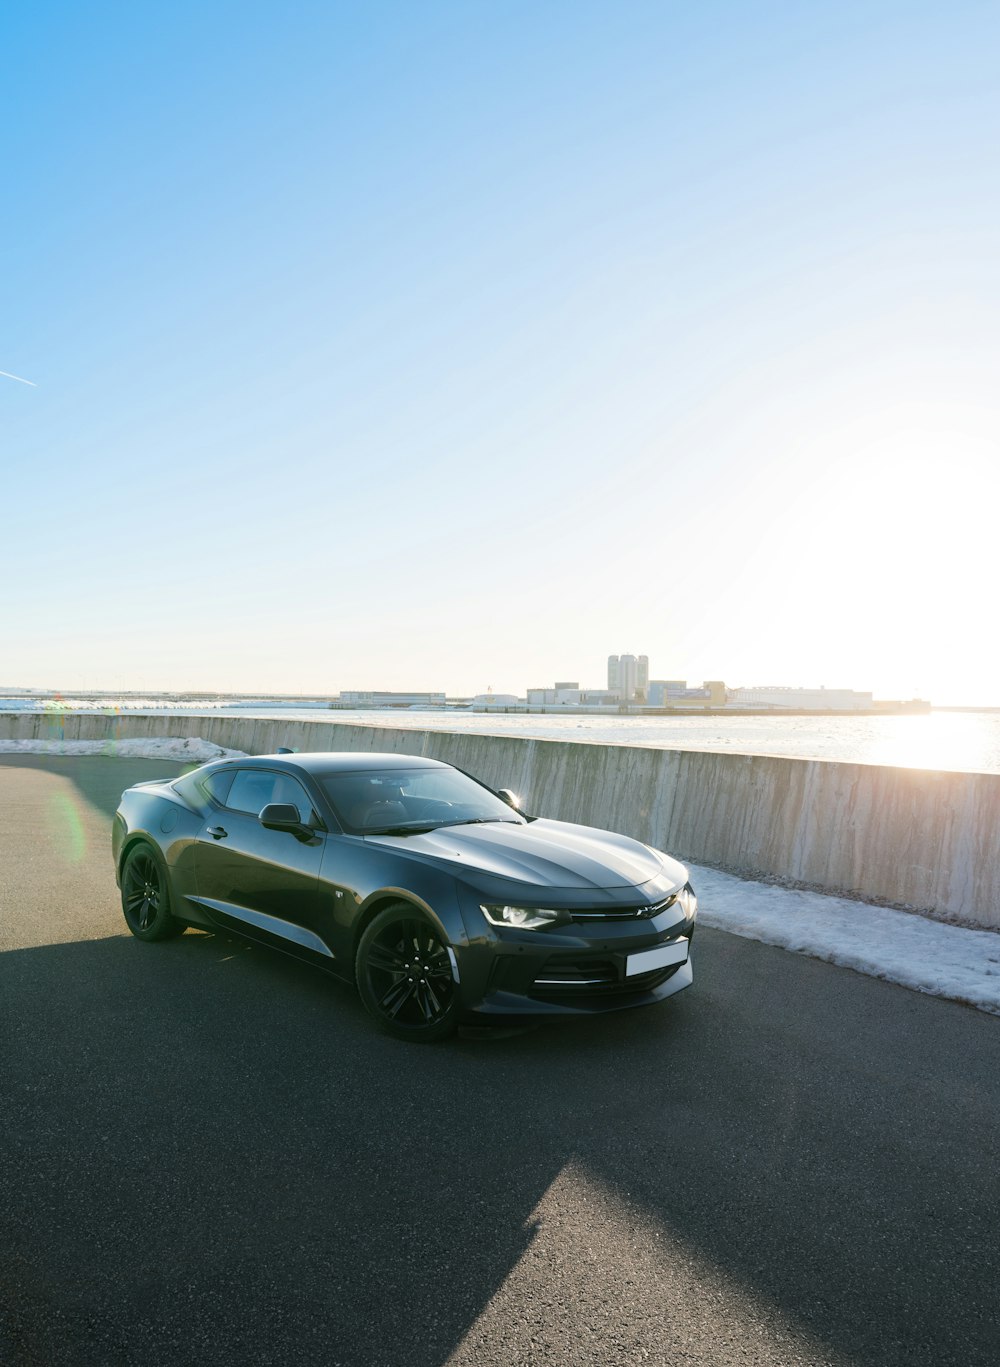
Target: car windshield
[(408, 801)]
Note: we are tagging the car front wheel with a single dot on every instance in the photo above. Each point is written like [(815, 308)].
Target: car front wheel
[(146, 896), (404, 975)]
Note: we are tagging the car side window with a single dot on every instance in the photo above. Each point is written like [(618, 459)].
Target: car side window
[(253, 789), (288, 789)]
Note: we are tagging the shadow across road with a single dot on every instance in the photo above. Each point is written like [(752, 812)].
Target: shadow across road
[(211, 1157), (215, 1159), (100, 779)]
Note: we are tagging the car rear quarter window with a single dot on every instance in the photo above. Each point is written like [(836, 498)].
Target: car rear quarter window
[(217, 785), (253, 789), (196, 787)]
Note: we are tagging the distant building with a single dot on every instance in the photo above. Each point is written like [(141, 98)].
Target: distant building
[(675, 693), (495, 700), (564, 695), (801, 699), (662, 692), (598, 697), (571, 697), (628, 676), (373, 699)]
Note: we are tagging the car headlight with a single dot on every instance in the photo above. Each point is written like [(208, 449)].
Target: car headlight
[(687, 901), (524, 918)]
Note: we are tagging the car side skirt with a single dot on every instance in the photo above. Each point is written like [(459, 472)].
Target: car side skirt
[(274, 925)]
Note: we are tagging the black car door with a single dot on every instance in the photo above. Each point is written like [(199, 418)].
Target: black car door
[(264, 883)]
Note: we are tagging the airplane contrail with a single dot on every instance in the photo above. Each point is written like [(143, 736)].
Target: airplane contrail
[(20, 378)]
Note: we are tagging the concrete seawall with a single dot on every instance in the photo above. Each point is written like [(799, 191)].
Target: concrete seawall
[(912, 837)]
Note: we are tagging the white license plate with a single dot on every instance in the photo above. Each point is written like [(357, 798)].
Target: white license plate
[(660, 957)]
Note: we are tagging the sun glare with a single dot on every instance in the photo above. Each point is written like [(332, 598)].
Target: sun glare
[(936, 740)]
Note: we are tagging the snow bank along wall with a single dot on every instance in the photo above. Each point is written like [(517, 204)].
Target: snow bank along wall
[(914, 837)]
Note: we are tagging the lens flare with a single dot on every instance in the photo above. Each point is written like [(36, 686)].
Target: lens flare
[(65, 826)]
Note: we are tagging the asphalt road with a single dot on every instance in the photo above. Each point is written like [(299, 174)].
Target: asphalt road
[(208, 1155)]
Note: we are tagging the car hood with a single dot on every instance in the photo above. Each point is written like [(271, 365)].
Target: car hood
[(542, 854)]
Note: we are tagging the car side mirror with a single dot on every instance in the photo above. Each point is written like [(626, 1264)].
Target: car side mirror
[(511, 799), (283, 816)]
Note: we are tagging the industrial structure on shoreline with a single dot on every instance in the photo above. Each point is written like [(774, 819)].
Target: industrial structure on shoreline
[(631, 690)]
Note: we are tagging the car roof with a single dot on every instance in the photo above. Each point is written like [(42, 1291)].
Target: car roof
[(324, 762)]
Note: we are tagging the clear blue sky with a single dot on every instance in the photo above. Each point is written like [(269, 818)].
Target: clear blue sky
[(439, 346)]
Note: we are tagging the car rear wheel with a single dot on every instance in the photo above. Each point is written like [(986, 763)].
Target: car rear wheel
[(146, 896), (403, 972)]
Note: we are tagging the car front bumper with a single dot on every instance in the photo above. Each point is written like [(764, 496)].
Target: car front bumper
[(580, 1003), (575, 972)]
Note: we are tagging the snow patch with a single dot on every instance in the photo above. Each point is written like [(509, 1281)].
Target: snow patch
[(158, 747), (949, 961)]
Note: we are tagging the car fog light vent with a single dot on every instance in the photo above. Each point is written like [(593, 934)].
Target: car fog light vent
[(576, 972)]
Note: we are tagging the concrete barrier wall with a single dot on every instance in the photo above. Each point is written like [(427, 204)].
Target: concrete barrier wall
[(911, 837)]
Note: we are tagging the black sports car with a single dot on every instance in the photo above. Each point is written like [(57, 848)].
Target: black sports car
[(432, 892)]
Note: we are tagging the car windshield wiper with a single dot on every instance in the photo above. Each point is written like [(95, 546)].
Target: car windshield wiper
[(423, 827), (405, 828), (483, 821)]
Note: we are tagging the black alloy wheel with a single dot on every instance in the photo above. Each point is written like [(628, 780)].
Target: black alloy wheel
[(404, 976), (146, 897)]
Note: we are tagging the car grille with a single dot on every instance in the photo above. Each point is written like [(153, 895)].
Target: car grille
[(621, 913), (585, 978)]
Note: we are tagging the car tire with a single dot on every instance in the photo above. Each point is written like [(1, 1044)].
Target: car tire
[(403, 972), (146, 895)]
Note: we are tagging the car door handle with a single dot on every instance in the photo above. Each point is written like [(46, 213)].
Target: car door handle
[(217, 832)]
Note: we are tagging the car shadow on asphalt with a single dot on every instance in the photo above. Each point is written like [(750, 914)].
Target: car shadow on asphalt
[(101, 784), (211, 1155)]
